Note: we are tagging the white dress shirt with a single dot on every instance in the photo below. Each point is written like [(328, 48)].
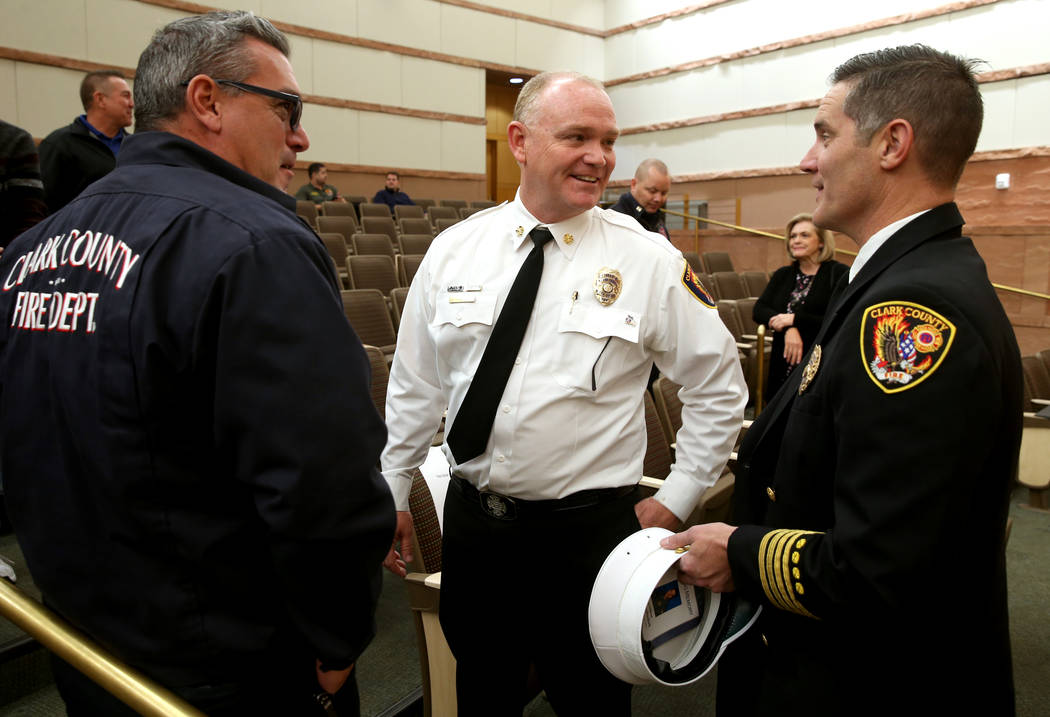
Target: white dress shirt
[(571, 417), (877, 240)]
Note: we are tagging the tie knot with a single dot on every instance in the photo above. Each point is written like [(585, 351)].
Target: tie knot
[(540, 236)]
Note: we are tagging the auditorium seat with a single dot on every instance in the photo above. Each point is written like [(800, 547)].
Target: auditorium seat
[(668, 406), (407, 211), (715, 261), (729, 285), (657, 461), (465, 212), (339, 209), (413, 225), (380, 377), (437, 213), (456, 204), (1037, 382), (379, 225), (307, 210), (372, 244), (755, 282), (336, 246), (366, 309), (345, 225), (372, 272), (424, 204), (368, 209), (415, 243), (407, 265), (694, 261), (444, 223), (482, 203), (398, 295)]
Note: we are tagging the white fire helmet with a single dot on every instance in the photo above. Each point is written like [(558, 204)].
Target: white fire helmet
[(647, 627)]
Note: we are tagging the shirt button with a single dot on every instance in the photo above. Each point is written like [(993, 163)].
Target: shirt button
[(459, 317), (500, 459), (506, 408), (517, 362)]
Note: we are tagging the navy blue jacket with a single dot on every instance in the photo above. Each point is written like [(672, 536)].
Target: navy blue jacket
[(391, 199), (189, 443)]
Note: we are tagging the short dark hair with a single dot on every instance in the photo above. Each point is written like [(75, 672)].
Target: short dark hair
[(94, 82), (212, 44), (314, 168), (934, 91), (393, 173)]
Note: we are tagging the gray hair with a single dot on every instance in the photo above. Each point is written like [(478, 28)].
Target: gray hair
[(642, 173), (528, 98), (934, 91), (211, 44)]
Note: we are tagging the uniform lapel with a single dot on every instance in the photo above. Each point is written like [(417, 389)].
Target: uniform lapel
[(934, 222)]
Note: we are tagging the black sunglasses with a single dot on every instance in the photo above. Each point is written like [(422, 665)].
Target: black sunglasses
[(293, 102)]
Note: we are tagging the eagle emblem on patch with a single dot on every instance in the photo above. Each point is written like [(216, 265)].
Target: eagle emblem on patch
[(692, 282), (902, 343)]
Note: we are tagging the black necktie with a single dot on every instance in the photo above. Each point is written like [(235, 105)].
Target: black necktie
[(470, 433)]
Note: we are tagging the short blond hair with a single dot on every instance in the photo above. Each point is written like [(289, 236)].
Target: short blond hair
[(826, 252), (528, 98)]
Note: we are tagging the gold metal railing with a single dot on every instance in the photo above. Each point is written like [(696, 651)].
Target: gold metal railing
[(126, 684), (847, 252)]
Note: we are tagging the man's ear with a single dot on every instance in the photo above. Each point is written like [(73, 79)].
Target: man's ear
[(203, 102), (896, 141), (516, 138)]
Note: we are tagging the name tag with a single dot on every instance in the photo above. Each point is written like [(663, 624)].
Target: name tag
[(458, 288)]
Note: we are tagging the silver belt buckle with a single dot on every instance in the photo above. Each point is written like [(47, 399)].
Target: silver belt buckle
[(498, 506)]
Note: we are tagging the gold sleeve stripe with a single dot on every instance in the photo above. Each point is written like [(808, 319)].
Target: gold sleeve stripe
[(779, 569)]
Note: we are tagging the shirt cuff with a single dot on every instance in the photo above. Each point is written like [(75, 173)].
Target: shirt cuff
[(400, 482), (680, 493)]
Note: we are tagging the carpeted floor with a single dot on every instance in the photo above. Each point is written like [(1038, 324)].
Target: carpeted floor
[(389, 669)]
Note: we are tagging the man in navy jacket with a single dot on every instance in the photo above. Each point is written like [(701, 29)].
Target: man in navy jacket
[(189, 443)]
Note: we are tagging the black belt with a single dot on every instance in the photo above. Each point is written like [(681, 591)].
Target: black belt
[(504, 507)]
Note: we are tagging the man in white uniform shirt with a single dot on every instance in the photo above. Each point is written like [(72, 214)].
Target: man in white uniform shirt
[(529, 520)]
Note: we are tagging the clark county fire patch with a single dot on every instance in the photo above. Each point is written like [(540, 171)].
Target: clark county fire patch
[(902, 343), (692, 282)]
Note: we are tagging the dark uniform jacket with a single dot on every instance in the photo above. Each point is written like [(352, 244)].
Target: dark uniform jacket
[(809, 314), (391, 199), (872, 506), (189, 443), (71, 158), (654, 222)]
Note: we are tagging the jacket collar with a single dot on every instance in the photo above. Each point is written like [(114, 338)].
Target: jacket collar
[(170, 149), (941, 220)]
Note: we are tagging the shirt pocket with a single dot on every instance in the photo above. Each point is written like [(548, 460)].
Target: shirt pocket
[(593, 341), (462, 308)]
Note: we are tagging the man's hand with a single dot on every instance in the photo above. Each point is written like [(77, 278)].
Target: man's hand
[(792, 346), (401, 551), (707, 562), (654, 514), (333, 680)]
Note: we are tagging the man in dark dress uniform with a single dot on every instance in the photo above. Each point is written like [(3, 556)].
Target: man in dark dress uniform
[(872, 494)]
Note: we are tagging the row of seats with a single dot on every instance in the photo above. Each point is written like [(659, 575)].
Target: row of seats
[(444, 208), (348, 225)]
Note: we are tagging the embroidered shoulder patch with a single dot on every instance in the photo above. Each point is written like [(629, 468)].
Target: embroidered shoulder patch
[(902, 343), (692, 282)]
